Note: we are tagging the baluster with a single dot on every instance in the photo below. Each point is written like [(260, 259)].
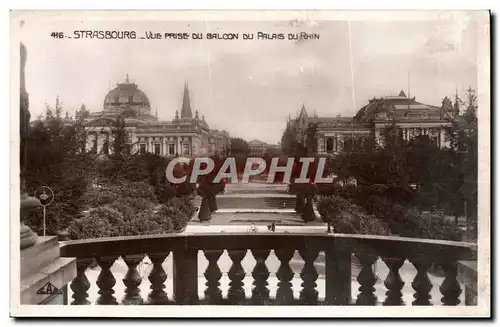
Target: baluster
[(467, 272), (106, 281), (260, 273), (284, 294), (366, 279), (421, 283), (236, 293), (81, 284), (309, 275), (450, 288), (157, 277), (132, 280), (213, 294), (393, 282)]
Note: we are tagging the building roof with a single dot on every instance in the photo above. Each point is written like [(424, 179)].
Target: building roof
[(186, 111), (256, 142), (127, 94), (397, 107), (324, 121)]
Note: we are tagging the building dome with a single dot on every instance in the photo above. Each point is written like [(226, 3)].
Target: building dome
[(127, 95)]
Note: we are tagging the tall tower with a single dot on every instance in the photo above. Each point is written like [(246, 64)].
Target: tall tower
[(186, 104), (456, 105)]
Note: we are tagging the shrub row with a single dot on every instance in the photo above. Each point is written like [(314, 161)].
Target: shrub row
[(381, 216)]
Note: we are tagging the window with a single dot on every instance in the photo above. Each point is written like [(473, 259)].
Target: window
[(94, 146), (130, 98), (157, 149), (171, 149), (142, 148), (117, 99), (329, 144), (185, 148)]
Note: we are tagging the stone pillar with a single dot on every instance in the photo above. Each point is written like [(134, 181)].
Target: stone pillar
[(133, 141), (27, 203), (99, 138), (321, 145), (193, 146), (377, 136)]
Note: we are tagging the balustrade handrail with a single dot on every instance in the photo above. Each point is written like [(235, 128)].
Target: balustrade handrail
[(394, 246), (338, 249)]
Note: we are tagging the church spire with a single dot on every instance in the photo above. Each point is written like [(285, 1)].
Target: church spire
[(186, 104), (456, 105)]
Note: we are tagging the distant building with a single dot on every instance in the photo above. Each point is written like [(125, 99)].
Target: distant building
[(257, 148), (411, 117), (185, 135)]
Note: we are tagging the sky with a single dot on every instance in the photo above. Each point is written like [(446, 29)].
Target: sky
[(250, 87)]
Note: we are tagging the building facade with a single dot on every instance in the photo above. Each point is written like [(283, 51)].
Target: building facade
[(259, 148), (186, 135), (411, 117)]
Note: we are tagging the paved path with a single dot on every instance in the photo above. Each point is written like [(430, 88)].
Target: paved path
[(249, 217), (251, 188)]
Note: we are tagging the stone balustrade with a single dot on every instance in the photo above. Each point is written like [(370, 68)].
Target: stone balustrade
[(338, 249)]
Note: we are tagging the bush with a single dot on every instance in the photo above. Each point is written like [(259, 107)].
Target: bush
[(138, 204), (331, 207), (411, 222), (97, 222), (349, 192), (97, 197), (133, 190), (347, 217), (130, 208), (143, 223), (89, 227), (178, 218), (434, 225), (125, 209)]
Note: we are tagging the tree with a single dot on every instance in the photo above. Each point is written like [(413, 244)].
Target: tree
[(121, 140), (239, 146), (312, 138), (463, 138), (56, 158), (289, 144)]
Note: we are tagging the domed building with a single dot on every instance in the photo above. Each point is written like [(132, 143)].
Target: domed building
[(184, 135), (411, 117)]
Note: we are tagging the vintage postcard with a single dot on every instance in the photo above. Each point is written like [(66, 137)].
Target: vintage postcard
[(250, 163)]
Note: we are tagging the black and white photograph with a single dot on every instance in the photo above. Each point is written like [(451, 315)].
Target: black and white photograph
[(250, 163)]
